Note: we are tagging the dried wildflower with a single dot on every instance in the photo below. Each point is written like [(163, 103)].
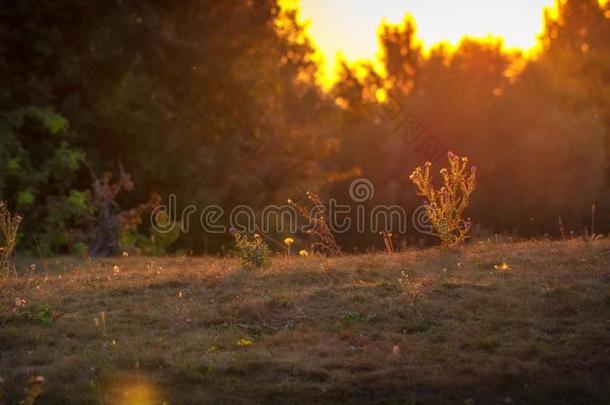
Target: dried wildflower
[(446, 205), (387, 240), (318, 227), (411, 288), (9, 226)]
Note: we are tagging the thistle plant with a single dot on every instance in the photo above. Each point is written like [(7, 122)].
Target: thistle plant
[(445, 206), (9, 226), (411, 288), (254, 253), (317, 225)]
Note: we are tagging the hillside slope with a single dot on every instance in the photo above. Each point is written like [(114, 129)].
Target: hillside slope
[(534, 330)]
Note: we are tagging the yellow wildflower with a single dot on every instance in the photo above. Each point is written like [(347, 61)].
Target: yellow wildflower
[(502, 266), (244, 342)]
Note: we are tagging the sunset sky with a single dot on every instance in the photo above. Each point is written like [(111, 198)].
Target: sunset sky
[(350, 27)]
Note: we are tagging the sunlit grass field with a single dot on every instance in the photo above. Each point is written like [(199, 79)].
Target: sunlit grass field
[(494, 323)]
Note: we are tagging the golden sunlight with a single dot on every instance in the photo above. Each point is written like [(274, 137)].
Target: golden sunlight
[(348, 28), (134, 392)]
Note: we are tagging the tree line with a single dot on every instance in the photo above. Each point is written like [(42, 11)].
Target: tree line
[(217, 103)]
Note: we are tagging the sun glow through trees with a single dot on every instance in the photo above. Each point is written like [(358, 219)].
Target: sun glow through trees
[(348, 28)]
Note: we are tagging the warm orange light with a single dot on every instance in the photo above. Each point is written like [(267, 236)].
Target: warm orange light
[(348, 28), (133, 392)]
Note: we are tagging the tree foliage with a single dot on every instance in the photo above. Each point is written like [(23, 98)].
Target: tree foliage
[(217, 103)]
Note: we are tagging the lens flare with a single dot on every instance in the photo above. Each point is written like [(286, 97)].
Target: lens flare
[(133, 391)]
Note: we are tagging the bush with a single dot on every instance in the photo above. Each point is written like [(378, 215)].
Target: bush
[(9, 225), (110, 221), (158, 243), (446, 205), (252, 253), (40, 165)]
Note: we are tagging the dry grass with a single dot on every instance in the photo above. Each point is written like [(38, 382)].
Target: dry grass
[(316, 330)]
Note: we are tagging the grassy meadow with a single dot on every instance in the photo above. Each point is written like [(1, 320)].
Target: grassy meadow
[(305, 202), (486, 323)]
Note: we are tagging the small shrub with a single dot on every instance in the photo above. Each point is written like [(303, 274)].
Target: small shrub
[(161, 241), (412, 289), (9, 226), (23, 312), (110, 222), (446, 205), (254, 253), (43, 314), (158, 243)]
